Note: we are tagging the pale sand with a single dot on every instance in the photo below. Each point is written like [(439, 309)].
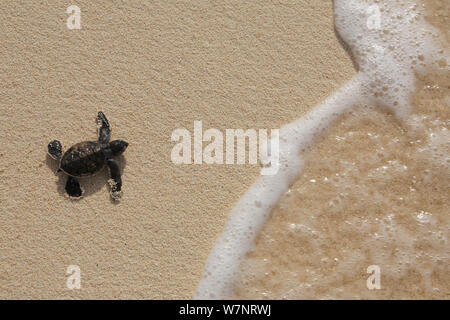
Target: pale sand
[(151, 69)]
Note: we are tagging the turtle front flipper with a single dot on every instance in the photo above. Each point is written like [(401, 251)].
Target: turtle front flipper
[(116, 181), (104, 130), (73, 187), (55, 149)]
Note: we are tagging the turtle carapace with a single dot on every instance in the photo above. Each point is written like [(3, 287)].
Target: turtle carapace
[(88, 157)]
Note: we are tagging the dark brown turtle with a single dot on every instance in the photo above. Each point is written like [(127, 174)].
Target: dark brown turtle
[(88, 157)]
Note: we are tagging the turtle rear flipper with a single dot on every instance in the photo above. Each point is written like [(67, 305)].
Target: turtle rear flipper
[(73, 187), (55, 149), (116, 181), (104, 130)]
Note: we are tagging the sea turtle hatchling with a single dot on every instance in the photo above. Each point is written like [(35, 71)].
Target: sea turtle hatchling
[(88, 157)]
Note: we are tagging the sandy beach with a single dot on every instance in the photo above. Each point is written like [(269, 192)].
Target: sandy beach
[(152, 68)]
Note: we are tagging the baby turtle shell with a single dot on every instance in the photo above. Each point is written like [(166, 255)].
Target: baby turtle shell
[(88, 157), (83, 159)]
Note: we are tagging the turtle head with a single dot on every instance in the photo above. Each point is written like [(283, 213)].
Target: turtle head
[(118, 147)]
